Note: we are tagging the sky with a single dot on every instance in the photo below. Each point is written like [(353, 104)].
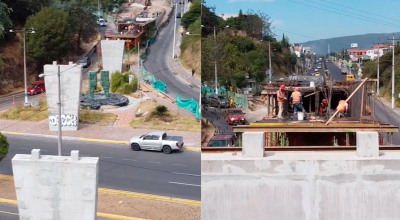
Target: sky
[(305, 20)]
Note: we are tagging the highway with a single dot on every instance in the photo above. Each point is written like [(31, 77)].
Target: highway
[(157, 62), (174, 175)]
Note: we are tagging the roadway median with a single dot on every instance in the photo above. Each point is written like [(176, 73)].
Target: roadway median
[(125, 205)]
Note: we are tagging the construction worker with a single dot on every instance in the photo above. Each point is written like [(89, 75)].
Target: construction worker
[(281, 97), (297, 101), (323, 107), (342, 107), (263, 100)]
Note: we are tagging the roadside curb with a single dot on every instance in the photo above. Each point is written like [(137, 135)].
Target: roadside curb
[(101, 215), (184, 77), (87, 139), (132, 194)]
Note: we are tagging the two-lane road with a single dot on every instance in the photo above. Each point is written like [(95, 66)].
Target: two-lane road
[(175, 175), (157, 63)]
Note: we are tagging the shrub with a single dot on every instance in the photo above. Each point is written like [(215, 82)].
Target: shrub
[(161, 110), (116, 80), (3, 146), (126, 88)]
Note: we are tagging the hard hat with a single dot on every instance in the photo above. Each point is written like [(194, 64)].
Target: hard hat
[(297, 88), (324, 101), (283, 87)]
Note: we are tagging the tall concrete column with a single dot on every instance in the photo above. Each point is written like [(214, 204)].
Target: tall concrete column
[(267, 97), (56, 187), (271, 99)]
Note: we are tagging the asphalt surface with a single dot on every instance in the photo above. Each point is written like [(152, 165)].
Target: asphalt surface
[(10, 212), (157, 62), (174, 175), (336, 73)]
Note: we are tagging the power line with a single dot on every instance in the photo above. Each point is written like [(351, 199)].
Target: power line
[(344, 14), (351, 13), (360, 10)]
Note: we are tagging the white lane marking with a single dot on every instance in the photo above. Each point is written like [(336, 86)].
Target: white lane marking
[(179, 165), (130, 159), (186, 184), (153, 162), (187, 174), (107, 157)]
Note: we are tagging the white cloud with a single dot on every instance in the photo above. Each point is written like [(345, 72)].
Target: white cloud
[(277, 23), (227, 15), (251, 0)]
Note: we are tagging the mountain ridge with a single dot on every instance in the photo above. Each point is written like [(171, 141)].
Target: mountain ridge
[(364, 41)]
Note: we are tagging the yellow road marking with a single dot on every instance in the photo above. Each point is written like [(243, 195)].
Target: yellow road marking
[(10, 213), (136, 195), (12, 133)]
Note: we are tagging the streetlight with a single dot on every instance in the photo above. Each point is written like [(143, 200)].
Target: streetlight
[(215, 62), (59, 107), (23, 31), (174, 39)]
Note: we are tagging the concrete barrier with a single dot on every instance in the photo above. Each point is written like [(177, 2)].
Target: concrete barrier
[(302, 185)]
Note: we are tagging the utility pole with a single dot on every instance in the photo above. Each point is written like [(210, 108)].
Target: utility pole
[(59, 113), (377, 72), (23, 31), (270, 64), (329, 49), (174, 38), (393, 64), (215, 62)]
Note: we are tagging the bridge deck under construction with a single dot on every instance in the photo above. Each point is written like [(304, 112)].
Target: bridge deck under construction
[(315, 127)]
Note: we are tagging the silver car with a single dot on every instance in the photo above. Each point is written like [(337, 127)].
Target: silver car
[(157, 141)]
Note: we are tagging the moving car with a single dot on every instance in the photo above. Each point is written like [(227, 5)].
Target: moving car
[(317, 74), (223, 140), (350, 77), (156, 141), (178, 15), (235, 116), (85, 62), (315, 70), (218, 101), (101, 22), (108, 33), (36, 88), (319, 67)]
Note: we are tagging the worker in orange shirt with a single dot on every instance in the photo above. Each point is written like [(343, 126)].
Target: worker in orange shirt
[(281, 97), (342, 107), (263, 100), (297, 102)]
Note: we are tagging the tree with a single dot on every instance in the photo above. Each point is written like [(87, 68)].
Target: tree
[(3, 146), (191, 16), (50, 41), (208, 19), (5, 21)]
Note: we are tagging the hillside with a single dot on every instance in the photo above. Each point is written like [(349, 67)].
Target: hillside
[(364, 41), (191, 44)]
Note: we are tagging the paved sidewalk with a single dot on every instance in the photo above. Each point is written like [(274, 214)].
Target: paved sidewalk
[(191, 139), (388, 106)]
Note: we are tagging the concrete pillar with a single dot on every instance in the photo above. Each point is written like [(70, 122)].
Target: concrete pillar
[(253, 144), (52, 187), (274, 106), (271, 99), (367, 144), (267, 97)]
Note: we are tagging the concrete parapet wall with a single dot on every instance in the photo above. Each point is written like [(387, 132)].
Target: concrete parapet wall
[(56, 187), (301, 185)]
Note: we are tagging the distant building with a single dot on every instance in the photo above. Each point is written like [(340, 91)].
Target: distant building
[(306, 50), (356, 54), (297, 50), (378, 50)]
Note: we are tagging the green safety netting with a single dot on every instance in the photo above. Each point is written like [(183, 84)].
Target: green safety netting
[(231, 94), (189, 104), (207, 90), (159, 85), (241, 101), (92, 83)]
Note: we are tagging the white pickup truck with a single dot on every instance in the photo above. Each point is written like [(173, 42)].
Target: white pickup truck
[(157, 141)]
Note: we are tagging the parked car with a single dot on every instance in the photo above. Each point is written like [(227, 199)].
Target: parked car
[(101, 22), (36, 88), (235, 116), (178, 15), (218, 101), (317, 74), (223, 140), (205, 100), (156, 141), (85, 62)]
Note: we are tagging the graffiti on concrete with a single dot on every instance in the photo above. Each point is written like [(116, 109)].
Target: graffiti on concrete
[(66, 120)]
